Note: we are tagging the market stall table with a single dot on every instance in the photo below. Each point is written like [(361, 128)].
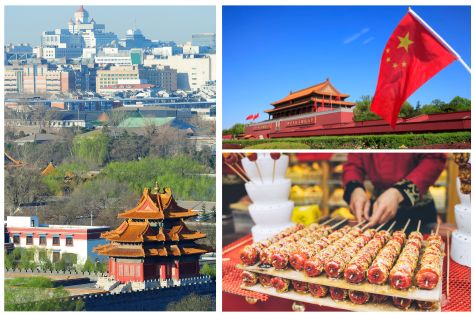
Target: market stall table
[(237, 299)]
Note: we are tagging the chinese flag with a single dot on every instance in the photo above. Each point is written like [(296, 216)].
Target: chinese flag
[(249, 117), (255, 116), (411, 57)]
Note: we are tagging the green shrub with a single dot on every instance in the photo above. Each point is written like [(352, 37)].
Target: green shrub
[(279, 145), (208, 270), (385, 141)]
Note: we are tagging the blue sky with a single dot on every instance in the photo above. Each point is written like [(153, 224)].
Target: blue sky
[(269, 51), (25, 23)]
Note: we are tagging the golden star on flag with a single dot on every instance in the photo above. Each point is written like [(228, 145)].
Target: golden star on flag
[(404, 63), (388, 59), (404, 42), (394, 65)]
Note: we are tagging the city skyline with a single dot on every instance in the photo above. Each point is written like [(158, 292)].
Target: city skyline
[(19, 20), (296, 47)]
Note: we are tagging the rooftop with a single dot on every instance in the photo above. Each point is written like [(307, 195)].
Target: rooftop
[(323, 88)]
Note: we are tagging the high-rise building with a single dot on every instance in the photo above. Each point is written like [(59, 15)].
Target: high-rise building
[(82, 33), (205, 40), (160, 77), (135, 39), (194, 71), (37, 79)]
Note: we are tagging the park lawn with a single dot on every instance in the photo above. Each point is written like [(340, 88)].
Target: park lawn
[(383, 141), (37, 293)]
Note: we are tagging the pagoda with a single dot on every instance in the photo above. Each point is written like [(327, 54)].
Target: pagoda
[(153, 242), (50, 168), (317, 98)]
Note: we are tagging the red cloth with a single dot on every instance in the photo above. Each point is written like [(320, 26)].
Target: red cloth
[(411, 57), (249, 117), (386, 169)]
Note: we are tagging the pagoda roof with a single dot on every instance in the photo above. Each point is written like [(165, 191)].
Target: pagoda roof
[(139, 232), (319, 100), (157, 205), (118, 250), (10, 161), (324, 88), (48, 169)]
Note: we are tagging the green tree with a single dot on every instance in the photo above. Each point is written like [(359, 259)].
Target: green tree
[(88, 266), (27, 259), (235, 130), (209, 270), (91, 149), (43, 259), (362, 112)]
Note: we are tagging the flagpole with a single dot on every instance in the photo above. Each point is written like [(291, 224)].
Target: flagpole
[(440, 39)]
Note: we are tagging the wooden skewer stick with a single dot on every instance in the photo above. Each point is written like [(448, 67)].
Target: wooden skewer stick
[(407, 225), (380, 226), (339, 223), (237, 172), (365, 226), (391, 226), (356, 226), (418, 225), (327, 221), (238, 166), (259, 171), (437, 229), (448, 265)]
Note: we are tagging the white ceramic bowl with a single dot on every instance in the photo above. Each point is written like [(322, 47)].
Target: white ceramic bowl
[(260, 233), (266, 168), (462, 218), (460, 248), (268, 193), (271, 214)]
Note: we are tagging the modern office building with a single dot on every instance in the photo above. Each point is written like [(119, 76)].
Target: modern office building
[(37, 79), (135, 39), (193, 71), (82, 35), (162, 77), (205, 40)]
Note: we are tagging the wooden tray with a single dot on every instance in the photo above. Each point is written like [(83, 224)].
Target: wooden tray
[(413, 293), (327, 301)]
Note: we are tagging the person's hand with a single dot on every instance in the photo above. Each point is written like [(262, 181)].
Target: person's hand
[(385, 207), (360, 204)]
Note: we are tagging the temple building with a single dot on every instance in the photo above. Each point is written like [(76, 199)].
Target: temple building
[(317, 98), (50, 168), (153, 242)]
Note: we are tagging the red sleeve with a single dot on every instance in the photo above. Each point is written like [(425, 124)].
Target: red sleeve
[(427, 171), (353, 169)]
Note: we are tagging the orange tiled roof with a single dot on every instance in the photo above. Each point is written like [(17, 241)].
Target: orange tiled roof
[(115, 249), (48, 169), (10, 161), (324, 88), (138, 232), (311, 100), (156, 205)]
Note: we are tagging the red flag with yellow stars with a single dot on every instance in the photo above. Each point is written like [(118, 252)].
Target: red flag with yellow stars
[(412, 56)]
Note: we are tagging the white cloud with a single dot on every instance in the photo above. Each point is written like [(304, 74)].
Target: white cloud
[(368, 40), (356, 36)]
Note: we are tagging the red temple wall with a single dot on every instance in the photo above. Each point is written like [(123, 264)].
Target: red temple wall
[(341, 123), (133, 271)]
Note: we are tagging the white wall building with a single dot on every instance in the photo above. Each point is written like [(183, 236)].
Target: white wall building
[(193, 71), (27, 232)]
